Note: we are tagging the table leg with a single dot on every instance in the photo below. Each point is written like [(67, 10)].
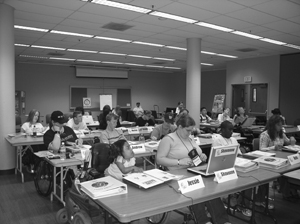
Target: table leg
[(62, 185), (54, 183), (20, 152)]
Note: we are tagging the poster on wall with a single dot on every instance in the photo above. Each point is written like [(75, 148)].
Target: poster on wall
[(218, 103), (105, 99), (86, 102)]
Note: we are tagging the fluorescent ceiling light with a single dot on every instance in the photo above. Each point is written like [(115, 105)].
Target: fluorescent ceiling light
[(122, 6), (165, 59), (46, 47), (216, 27), (112, 62), (22, 45), (172, 67), (155, 66), (65, 59), (85, 51), (31, 56), (292, 46), (207, 52), (134, 64), (247, 35), (207, 64), (88, 60), (272, 41), (70, 33), (226, 56), (138, 56), (145, 43), (112, 39), (174, 17), (111, 53), (176, 48), (30, 28)]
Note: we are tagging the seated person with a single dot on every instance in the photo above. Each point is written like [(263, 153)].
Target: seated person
[(117, 111), (111, 134), (76, 123), (80, 109), (145, 120), (138, 110), (240, 117), (173, 152), (59, 133), (165, 128), (102, 117), (276, 111), (179, 107), (225, 115), (204, 118), (182, 112), (122, 161), (32, 123)]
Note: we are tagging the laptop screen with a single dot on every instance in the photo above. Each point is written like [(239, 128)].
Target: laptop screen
[(88, 119)]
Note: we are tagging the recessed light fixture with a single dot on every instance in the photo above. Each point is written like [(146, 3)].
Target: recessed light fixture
[(292, 46), (71, 34), (112, 62), (22, 45), (174, 17), (172, 67), (247, 35), (164, 59), (64, 59), (226, 56), (51, 48), (155, 66), (138, 56), (84, 51), (146, 43), (134, 64), (32, 56), (176, 48), (121, 6), (83, 60), (111, 53), (273, 41), (207, 52), (215, 27), (112, 39), (30, 28), (207, 64)]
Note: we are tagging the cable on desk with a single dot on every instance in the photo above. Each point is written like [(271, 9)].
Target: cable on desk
[(179, 192)]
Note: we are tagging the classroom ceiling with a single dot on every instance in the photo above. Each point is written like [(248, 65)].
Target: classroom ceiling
[(275, 19)]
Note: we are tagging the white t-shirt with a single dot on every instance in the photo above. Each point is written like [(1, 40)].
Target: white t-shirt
[(114, 171), (80, 126), (138, 111), (28, 127)]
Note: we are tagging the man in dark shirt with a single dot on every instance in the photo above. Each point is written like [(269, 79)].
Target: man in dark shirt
[(145, 120)]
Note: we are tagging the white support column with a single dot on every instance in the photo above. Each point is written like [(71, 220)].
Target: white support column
[(7, 87), (193, 78)]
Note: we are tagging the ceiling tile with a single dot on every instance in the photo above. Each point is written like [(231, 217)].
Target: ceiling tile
[(228, 22), (37, 17), (65, 4), (147, 27), (295, 19), (182, 33), (249, 3), (37, 24), (156, 21), (283, 26), (202, 31), (165, 37)]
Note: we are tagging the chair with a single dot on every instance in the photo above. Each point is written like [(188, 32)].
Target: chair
[(67, 116), (100, 153), (154, 114), (255, 144)]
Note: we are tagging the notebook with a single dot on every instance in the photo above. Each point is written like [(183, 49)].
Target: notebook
[(248, 122), (220, 158), (88, 119)]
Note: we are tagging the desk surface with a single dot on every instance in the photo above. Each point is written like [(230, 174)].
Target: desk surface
[(140, 203), (294, 174), (288, 130)]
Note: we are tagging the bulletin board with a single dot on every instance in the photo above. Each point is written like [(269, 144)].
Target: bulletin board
[(105, 99), (218, 104)]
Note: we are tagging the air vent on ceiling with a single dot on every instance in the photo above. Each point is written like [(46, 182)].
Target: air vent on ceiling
[(55, 54), (117, 26), (246, 49)]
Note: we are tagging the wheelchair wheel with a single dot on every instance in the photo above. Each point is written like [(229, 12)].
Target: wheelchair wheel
[(62, 216), (43, 179), (81, 217), (159, 219)]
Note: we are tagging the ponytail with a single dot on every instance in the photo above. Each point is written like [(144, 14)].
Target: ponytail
[(116, 149)]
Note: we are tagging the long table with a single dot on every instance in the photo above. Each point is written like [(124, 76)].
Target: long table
[(138, 204)]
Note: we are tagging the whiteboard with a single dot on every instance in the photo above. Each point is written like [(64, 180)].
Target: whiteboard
[(105, 99)]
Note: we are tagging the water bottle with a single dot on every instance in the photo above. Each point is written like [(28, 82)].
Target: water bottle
[(34, 131), (142, 138), (62, 151)]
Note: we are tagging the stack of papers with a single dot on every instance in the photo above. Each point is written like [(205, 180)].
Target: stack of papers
[(207, 135), (258, 154), (291, 148), (104, 187), (272, 162), (245, 165), (149, 178)]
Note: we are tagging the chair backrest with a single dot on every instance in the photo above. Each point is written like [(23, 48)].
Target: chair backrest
[(67, 116), (100, 153), (255, 144)]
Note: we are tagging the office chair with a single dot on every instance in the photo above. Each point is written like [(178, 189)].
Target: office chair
[(255, 144)]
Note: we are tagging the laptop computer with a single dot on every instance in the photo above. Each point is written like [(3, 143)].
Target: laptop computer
[(248, 122), (88, 119), (220, 158)]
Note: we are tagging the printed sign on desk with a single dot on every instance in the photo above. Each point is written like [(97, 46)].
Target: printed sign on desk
[(133, 131), (143, 130), (140, 148), (294, 159), (226, 151), (226, 175), (190, 184)]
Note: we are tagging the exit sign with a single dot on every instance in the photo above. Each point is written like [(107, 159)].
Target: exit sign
[(247, 79)]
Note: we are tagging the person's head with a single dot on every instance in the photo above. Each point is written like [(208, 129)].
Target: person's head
[(33, 116), (77, 117), (57, 119), (185, 125), (112, 120), (80, 109), (203, 111), (226, 110), (180, 105), (120, 148), (226, 129), (274, 126), (106, 108), (118, 110), (276, 111), (183, 111), (240, 111), (147, 115), (168, 119), (105, 111), (138, 104)]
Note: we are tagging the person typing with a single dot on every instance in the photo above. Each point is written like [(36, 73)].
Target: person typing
[(145, 120)]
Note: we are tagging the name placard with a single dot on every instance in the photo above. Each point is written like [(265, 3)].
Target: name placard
[(140, 148), (190, 184), (197, 140), (298, 126), (143, 130), (133, 131), (150, 129), (224, 152), (294, 159), (226, 175)]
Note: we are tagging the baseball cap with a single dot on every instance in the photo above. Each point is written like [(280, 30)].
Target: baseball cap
[(169, 118), (58, 116)]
